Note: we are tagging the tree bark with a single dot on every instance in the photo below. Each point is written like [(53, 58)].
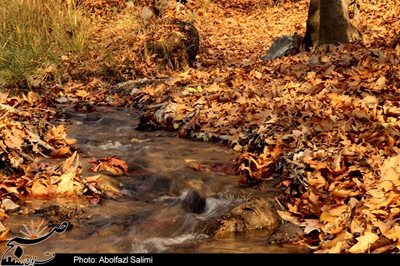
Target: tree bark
[(328, 22), (311, 37)]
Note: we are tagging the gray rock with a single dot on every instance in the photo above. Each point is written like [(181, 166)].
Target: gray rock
[(286, 233), (283, 46), (255, 214), (193, 202)]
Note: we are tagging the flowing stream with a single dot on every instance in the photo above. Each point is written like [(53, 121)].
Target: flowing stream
[(150, 216)]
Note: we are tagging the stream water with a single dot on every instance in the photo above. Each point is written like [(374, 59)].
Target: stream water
[(149, 217)]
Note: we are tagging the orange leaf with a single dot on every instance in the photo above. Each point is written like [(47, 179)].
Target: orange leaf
[(111, 165)]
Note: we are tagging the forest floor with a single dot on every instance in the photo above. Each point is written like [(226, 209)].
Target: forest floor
[(325, 123)]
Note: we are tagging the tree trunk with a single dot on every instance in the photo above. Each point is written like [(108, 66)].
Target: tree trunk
[(328, 22)]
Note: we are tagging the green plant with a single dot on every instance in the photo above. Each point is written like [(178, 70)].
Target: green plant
[(34, 34)]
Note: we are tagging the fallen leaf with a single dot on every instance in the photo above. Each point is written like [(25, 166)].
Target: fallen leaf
[(39, 189), (110, 165), (68, 185), (364, 242), (9, 205), (287, 216)]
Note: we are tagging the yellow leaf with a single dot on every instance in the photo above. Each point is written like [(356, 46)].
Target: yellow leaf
[(213, 88), (380, 83), (325, 59), (389, 198), (383, 226), (68, 186), (3, 235), (390, 170), (176, 125), (337, 244), (10, 189), (178, 117), (364, 242), (337, 210), (82, 93), (325, 217), (109, 186), (64, 58), (393, 233), (370, 100), (346, 193), (194, 89), (39, 189), (357, 225)]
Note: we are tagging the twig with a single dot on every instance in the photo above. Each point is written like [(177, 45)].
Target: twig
[(90, 186), (8, 108), (156, 106), (26, 156), (280, 204), (39, 141)]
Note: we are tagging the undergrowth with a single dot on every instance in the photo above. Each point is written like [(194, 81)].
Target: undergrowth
[(34, 35)]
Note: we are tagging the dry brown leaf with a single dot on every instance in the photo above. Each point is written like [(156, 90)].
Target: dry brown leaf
[(336, 245), (4, 235), (364, 242), (108, 185), (72, 163), (61, 152), (311, 225), (69, 186), (10, 189), (358, 225), (393, 233), (390, 170), (3, 215), (39, 189), (287, 216), (111, 165), (8, 205)]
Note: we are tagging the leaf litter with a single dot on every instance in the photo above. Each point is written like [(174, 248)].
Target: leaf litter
[(38, 159)]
